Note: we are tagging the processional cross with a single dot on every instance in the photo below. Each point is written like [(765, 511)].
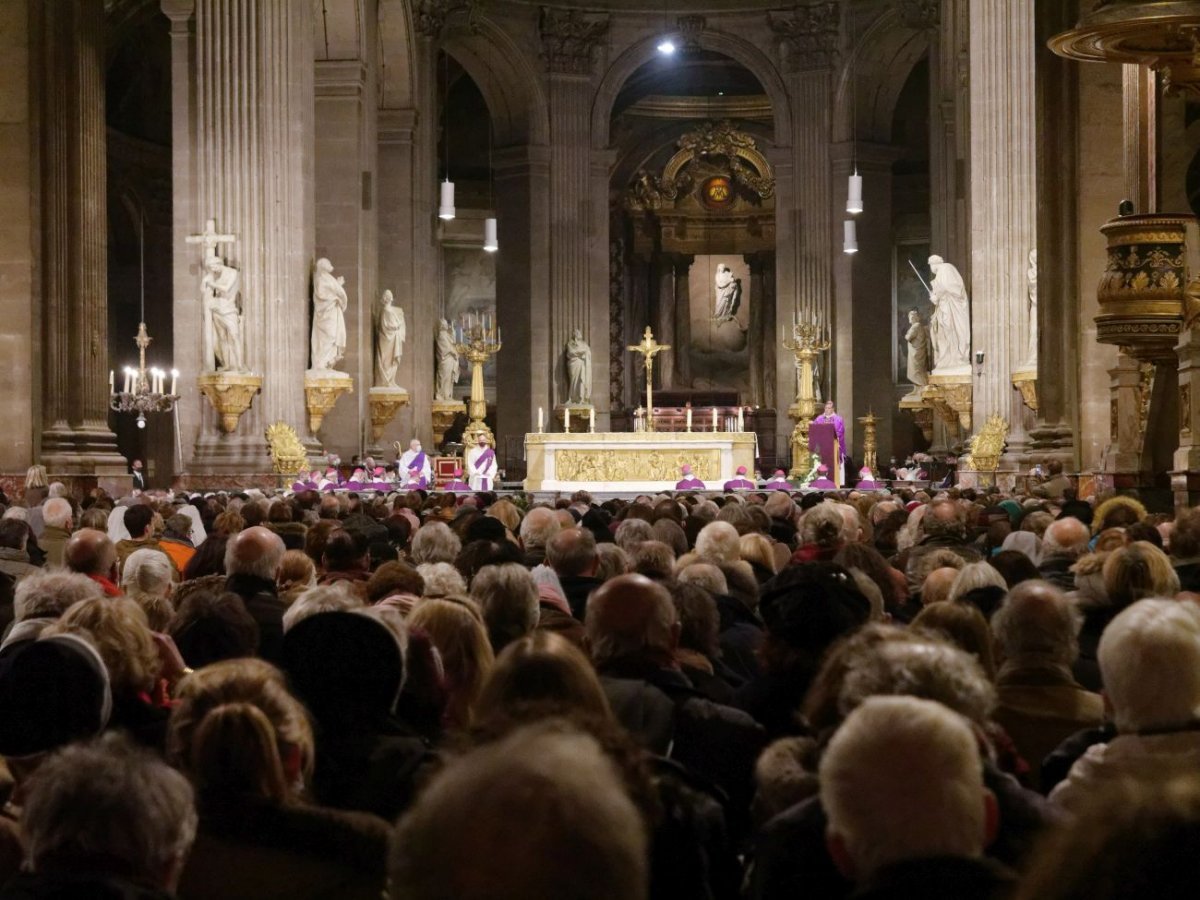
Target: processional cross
[(649, 348), (210, 239)]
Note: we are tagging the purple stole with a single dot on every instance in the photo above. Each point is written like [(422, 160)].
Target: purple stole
[(303, 486), (456, 486), (488, 456), (739, 484), (689, 484), (383, 486), (419, 462), (823, 484), (418, 485)]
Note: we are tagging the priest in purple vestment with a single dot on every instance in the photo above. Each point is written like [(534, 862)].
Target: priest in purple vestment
[(740, 482)]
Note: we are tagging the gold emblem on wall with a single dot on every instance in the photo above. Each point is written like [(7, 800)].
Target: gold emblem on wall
[(635, 465), (717, 192)]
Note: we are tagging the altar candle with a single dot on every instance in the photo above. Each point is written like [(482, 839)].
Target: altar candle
[(689, 418), (111, 380), (714, 417), (127, 379), (174, 381), (541, 422), (567, 419), (741, 420), (592, 420)]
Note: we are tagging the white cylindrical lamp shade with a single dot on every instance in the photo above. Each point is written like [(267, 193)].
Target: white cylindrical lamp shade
[(490, 243), (446, 208), (850, 244), (854, 195)]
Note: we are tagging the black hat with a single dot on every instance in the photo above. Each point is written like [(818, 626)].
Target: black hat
[(810, 605)]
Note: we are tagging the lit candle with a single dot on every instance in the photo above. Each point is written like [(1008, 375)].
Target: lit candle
[(174, 380), (567, 419), (689, 418), (741, 420), (111, 380), (127, 380), (592, 420), (541, 423), (714, 417)]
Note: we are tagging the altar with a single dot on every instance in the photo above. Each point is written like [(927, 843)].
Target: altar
[(634, 461)]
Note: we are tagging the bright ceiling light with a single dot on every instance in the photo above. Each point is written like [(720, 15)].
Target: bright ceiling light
[(666, 46)]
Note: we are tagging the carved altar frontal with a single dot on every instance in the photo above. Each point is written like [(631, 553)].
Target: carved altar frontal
[(634, 461)]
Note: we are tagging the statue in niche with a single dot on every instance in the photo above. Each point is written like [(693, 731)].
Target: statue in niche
[(729, 293), (446, 351), (920, 359), (1031, 277), (579, 370), (950, 326), (220, 290), (329, 320), (389, 340)]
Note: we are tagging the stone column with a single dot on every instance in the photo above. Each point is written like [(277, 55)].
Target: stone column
[(74, 226), (1004, 196), (683, 320), (1124, 457), (949, 132), (345, 232), (248, 124), (1140, 91), (757, 326), (664, 326), (781, 363)]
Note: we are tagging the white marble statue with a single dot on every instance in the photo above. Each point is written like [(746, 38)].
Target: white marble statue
[(919, 356), (1031, 355), (729, 293), (579, 370), (220, 291), (950, 326), (447, 362), (389, 340), (329, 320)]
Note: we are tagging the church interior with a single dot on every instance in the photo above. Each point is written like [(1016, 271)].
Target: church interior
[(762, 184)]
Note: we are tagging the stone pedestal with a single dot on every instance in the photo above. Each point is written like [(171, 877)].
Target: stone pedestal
[(230, 395), (921, 412), (1024, 380), (321, 392), (444, 412), (385, 402), (950, 397), (1124, 458)]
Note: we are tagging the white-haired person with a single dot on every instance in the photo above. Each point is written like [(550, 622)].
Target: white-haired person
[(57, 519), (508, 598), (909, 816), (718, 542), (148, 579), (1150, 662)]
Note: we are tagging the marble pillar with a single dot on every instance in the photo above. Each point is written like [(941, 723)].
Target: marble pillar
[(1054, 433), (345, 232), (682, 264), (74, 271), (247, 162), (1003, 205), (949, 133)]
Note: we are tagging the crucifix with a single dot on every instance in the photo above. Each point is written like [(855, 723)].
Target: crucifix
[(210, 238), (649, 348)]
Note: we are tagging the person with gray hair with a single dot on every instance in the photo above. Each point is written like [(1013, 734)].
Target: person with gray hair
[(252, 558), (909, 815), (973, 576), (434, 542), (321, 599), (537, 528), (57, 519), (719, 542), (441, 580), (632, 532), (578, 835), (1150, 662), (704, 575), (822, 533), (654, 559), (611, 561), (508, 599), (136, 848), (633, 631), (1040, 702), (43, 597), (149, 580), (1063, 543)]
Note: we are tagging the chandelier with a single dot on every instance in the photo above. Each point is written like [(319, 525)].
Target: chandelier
[(142, 391)]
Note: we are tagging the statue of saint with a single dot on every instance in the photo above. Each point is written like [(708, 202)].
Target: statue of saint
[(389, 341), (447, 362), (579, 370), (329, 320), (1031, 275), (729, 293), (950, 326), (220, 292), (919, 356)]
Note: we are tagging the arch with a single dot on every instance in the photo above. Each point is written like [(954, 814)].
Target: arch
[(736, 48), (396, 52), (340, 30), (512, 89), (877, 68)]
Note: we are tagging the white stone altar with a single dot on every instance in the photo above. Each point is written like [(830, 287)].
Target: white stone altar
[(634, 461)]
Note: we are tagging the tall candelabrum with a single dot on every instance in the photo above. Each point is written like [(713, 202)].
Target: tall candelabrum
[(478, 339), (143, 390), (807, 342), (868, 422)]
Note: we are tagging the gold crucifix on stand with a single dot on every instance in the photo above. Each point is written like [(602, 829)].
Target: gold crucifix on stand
[(649, 348)]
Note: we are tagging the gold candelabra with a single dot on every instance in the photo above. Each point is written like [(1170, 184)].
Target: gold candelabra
[(478, 339), (869, 449), (808, 340)]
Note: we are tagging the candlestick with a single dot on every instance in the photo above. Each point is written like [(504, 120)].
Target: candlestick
[(592, 421), (689, 419), (567, 419), (110, 381), (540, 420), (174, 381), (714, 419)]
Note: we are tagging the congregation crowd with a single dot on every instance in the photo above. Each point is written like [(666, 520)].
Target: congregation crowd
[(756, 694)]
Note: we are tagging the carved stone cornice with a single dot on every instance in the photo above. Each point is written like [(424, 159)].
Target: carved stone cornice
[(569, 40), (921, 15), (810, 38)]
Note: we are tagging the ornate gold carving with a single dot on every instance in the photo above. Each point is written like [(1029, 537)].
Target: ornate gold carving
[(1026, 382), (230, 395), (385, 403), (868, 423), (988, 446), (951, 400), (636, 465), (444, 412), (288, 456), (1185, 409), (321, 393)]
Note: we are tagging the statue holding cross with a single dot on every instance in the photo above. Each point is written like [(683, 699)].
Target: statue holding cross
[(220, 291), (649, 348)]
